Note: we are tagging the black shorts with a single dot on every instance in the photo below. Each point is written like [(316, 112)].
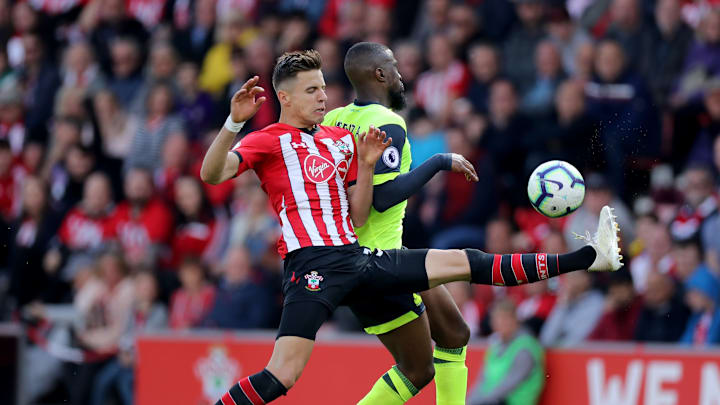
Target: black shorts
[(377, 285)]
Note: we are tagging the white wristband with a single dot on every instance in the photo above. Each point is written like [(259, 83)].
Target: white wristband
[(233, 126)]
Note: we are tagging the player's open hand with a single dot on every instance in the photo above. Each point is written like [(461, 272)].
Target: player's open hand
[(244, 103), (371, 145), (461, 165)]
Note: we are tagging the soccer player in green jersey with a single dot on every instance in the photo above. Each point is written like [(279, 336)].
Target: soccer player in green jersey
[(400, 321)]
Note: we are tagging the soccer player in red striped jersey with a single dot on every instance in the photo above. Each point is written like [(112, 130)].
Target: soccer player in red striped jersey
[(319, 180)]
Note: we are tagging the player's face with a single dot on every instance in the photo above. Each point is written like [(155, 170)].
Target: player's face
[(396, 88), (306, 97)]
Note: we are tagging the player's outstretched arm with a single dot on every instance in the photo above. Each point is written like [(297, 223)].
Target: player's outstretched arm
[(405, 185), (219, 164), (370, 147)]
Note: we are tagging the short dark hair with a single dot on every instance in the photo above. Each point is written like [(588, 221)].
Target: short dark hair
[(290, 63)]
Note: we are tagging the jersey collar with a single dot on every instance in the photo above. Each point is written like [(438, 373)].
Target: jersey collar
[(309, 131), (364, 103)]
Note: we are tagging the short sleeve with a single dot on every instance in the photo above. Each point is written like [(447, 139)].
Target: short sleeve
[(250, 151), (391, 158)]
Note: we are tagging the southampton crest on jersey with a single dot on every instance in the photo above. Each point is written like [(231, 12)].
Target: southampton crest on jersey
[(313, 280), (343, 147)]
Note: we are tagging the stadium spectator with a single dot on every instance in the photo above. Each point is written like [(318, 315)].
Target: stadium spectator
[(260, 61), (240, 301), (79, 68), (239, 74), (701, 146), (702, 62), (577, 310), (664, 315), (216, 69), (105, 22), (295, 33), (12, 127), (567, 133), (142, 223), (12, 176), (125, 72), (28, 239), (154, 128), (194, 105), (700, 202), (657, 257), (82, 231), (41, 80), (702, 292), (584, 62), (104, 305), (463, 27), (176, 163), (191, 303), (687, 257), (514, 367), (67, 177), (161, 69), (665, 49), (538, 98), (627, 28), (198, 232), (484, 63), (194, 38), (425, 138), (619, 98), (410, 65), (567, 36), (446, 80), (147, 315), (622, 310), (252, 225), (536, 307), (431, 20), (503, 138), (115, 129), (528, 31), (332, 58)]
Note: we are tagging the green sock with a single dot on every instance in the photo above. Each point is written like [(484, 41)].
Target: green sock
[(451, 376), (392, 388)]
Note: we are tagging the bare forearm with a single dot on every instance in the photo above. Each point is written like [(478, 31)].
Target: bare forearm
[(215, 159), (362, 196)]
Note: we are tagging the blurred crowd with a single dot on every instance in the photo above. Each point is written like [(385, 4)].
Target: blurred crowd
[(106, 108)]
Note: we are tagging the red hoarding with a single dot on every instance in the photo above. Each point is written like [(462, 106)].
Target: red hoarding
[(196, 370)]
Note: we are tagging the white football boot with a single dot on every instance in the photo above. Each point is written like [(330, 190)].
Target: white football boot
[(605, 242)]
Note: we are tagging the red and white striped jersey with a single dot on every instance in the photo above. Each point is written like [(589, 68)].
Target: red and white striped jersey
[(306, 177)]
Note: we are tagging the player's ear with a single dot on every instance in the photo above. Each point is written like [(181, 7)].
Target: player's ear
[(283, 97), (380, 75)]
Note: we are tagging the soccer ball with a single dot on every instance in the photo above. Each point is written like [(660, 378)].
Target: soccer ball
[(556, 189)]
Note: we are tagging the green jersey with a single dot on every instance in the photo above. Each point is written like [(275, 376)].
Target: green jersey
[(383, 230)]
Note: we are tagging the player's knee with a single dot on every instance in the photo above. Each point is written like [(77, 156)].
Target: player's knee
[(287, 375), (420, 375), (287, 379), (458, 337), (427, 375)]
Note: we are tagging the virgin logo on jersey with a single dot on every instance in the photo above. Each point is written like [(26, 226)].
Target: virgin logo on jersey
[(318, 169)]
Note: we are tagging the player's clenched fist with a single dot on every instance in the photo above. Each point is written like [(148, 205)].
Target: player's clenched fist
[(371, 145), (243, 104)]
